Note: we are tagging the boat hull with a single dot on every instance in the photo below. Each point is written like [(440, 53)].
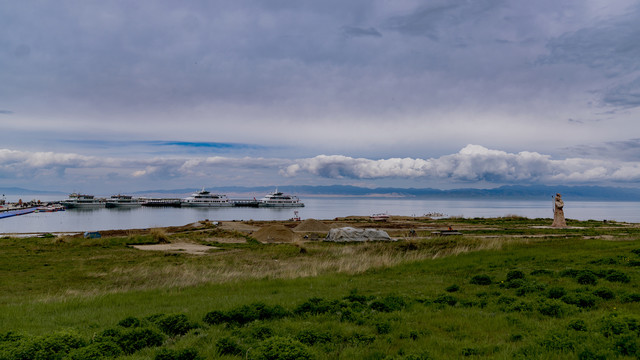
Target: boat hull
[(293, 205), (205, 205), (122, 205), (71, 205)]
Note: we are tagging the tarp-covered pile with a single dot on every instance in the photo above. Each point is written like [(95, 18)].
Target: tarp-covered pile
[(346, 234)]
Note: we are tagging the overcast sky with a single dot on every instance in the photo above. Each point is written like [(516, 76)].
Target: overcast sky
[(116, 96)]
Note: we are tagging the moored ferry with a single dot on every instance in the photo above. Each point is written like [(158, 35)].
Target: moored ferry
[(204, 198), (279, 199), (82, 201), (124, 201)]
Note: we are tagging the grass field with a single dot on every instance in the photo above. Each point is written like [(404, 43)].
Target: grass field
[(507, 288)]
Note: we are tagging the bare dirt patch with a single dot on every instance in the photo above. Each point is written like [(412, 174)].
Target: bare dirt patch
[(183, 248), (238, 226)]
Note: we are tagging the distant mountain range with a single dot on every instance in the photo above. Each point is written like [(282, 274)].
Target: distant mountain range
[(529, 192)]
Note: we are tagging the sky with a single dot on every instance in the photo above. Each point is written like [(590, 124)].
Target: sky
[(117, 96)]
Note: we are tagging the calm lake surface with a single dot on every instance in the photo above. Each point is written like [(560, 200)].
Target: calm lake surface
[(74, 220)]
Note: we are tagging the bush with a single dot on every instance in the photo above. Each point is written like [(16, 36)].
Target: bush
[(556, 292), (132, 340), (613, 326), (553, 308), (315, 306), (311, 337), (383, 328), (281, 348), (130, 322), (446, 299), (174, 325), (617, 276), (586, 277), (452, 288), (388, 303), (186, 354), (228, 346), (580, 300), (543, 272), (627, 345), (577, 325), (480, 280), (215, 317), (630, 298), (515, 274), (604, 293), (96, 351)]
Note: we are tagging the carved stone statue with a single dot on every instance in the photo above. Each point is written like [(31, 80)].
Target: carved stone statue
[(558, 213)]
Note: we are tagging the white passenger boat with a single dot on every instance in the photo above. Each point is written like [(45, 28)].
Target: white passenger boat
[(82, 201), (123, 201), (278, 199), (204, 198)]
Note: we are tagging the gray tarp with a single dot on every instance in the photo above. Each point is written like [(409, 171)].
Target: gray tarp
[(346, 234)]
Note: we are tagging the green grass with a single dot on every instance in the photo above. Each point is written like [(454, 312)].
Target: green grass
[(404, 300)]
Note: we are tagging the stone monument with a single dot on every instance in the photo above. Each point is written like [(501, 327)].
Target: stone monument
[(558, 213)]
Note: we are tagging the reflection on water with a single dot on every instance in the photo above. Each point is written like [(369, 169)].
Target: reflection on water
[(317, 208)]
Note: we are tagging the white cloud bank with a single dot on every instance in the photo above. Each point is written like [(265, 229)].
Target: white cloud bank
[(471, 164)]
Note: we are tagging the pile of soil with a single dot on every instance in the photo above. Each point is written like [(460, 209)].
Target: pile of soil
[(312, 225), (274, 233)]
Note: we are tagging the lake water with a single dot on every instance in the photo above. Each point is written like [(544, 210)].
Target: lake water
[(317, 208)]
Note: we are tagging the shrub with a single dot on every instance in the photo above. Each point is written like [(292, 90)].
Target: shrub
[(558, 340), (627, 345), (174, 325), (556, 292), (539, 272), (452, 288), (314, 306), (228, 346), (633, 263), (514, 284), (260, 332), (132, 340), (446, 299), (96, 351), (480, 280), (311, 337), (185, 354), (604, 293), (515, 274), (553, 308), (215, 317), (588, 354), (383, 328), (612, 326), (617, 276), (356, 339), (636, 251), (129, 322), (572, 273), (256, 311), (281, 348), (630, 298), (577, 325), (580, 300), (586, 277), (389, 303)]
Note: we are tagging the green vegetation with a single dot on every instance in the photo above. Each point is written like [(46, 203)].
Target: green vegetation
[(523, 292)]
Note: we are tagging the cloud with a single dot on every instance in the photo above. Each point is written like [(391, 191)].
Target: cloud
[(352, 31), (6, 112), (471, 164)]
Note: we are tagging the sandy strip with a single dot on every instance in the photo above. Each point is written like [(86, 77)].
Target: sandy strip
[(187, 248)]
